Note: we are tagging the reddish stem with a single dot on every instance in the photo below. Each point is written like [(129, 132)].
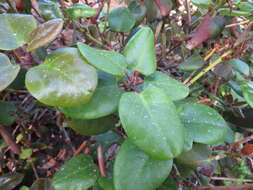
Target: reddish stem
[(9, 140), (101, 162)]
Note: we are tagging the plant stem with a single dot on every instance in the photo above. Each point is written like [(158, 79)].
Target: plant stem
[(101, 162), (9, 140), (210, 67)]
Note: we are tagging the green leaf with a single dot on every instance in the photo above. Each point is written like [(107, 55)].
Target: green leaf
[(106, 139), (15, 30), (151, 122), (246, 6), (229, 12), (192, 63), (45, 34), (50, 10), (104, 101), (106, 183), (79, 173), (10, 181), (42, 184), (63, 80), (148, 173), (195, 157), (8, 72), (247, 91), (25, 153), (173, 88), (121, 20), (140, 52), (79, 10), (203, 123), (93, 126), (240, 66), (202, 3), (137, 10), (108, 61)]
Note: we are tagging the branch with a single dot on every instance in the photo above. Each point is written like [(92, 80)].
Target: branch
[(229, 187)]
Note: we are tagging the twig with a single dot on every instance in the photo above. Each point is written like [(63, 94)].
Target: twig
[(210, 67), (187, 6), (229, 187), (101, 163), (9, 140), (158, 30), (236, 24), (59, 123), (208, 55), (231, 179), (81, 148)]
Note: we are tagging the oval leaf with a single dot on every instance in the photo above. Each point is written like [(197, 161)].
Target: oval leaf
[(45, 34), (7, 110), (202, 3), (247, 91), (10, 181), (79, 10), (140, 52), (15, 30), (93, 126), (148, 172), (63, 80), (108, 61), (42, 184), (151, 122), (173, 88), (50, 10), (192, 63), (79, 173), (8, 72), (121, 20), (229, 12), (104, 101), (240, 66), (203, 123), (195, 157)]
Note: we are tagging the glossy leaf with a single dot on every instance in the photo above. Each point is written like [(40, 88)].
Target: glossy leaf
[(247, 91), (8, 72), (148, 172), (240, 66), (42, 184), (50, 10), (203, 123), (202, 3), (121, 20), (246, 6), (108, 61), (93, 126), (45, 34), (10, 181), (63, 80), (79, 10), (79, 173), (15, 30), (151, 122), (229, 12), (192, 63), (173, 88), (104, 101), (140, 52), (195, 157)]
